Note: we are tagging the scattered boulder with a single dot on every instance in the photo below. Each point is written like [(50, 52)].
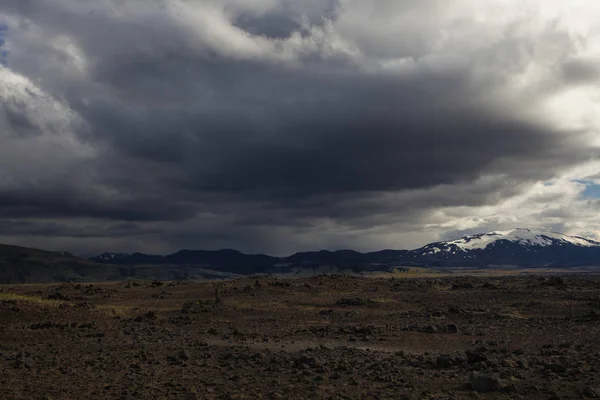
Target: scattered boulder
[(354, 302), (184, 355), (58, 296), (444, 361), (557, 368), (429, 329), (475, 356), (180, 320), (179, 358), (305, 362), (484, 383), (591, 393), (463, 285), (593, 315), (149, 316), (490, 286)]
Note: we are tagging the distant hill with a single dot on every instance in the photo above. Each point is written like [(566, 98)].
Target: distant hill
[(233, 261), (26, 265), (21, 265)]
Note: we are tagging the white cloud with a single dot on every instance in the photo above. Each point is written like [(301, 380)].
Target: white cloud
[(557, 205), (38, 134)]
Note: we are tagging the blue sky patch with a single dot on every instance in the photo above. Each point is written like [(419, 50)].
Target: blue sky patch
[(3, 50), (592, 189)]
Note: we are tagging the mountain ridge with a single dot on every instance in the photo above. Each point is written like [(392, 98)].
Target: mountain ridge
[(499, 249), (519, 247)]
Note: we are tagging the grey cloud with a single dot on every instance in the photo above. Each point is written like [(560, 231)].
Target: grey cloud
[(18, 122), (581, 71), (283, 18), (74, 230), (67, 202), (194, 144)]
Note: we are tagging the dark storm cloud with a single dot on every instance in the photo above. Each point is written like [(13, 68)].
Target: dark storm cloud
[(55, 229), (202, 136), (287, 18), (64, 202), (298, 134)]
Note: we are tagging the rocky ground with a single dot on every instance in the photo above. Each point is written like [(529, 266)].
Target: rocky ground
[(327, 337)]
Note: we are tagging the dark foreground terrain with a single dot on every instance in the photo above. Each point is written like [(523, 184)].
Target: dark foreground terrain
[(326, 337)]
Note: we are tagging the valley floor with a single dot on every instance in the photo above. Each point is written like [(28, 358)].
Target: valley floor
[(324, 337)]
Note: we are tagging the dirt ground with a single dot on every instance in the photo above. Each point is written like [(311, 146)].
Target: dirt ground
[(325, 337)]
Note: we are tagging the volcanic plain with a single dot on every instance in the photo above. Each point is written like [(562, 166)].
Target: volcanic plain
[(528, 336)]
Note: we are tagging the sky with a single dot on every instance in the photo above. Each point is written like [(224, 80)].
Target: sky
[(278, 126)]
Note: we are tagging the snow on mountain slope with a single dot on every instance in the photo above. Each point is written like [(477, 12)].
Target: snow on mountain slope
[(524, 237), (110, 256)]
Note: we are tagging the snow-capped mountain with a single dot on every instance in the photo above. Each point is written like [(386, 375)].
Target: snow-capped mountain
[(518, 247), (525, 237), (515, 247)]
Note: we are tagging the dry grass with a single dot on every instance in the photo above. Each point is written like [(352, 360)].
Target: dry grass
[(30, 299), (417, 272)]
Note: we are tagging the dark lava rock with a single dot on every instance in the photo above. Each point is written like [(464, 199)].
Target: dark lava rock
[(58, 296), (429, 329), (475, 356), (484, 383), (558, 368), (462, 285), (490, 286), (184, 355), (178, 358), (149, 316), (173, 360), (444, 361), (303, 361), (480, 366), (354, 302), (180, 319), (591, 393)]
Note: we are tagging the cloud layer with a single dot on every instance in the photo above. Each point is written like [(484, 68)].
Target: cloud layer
[(277, 126)]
